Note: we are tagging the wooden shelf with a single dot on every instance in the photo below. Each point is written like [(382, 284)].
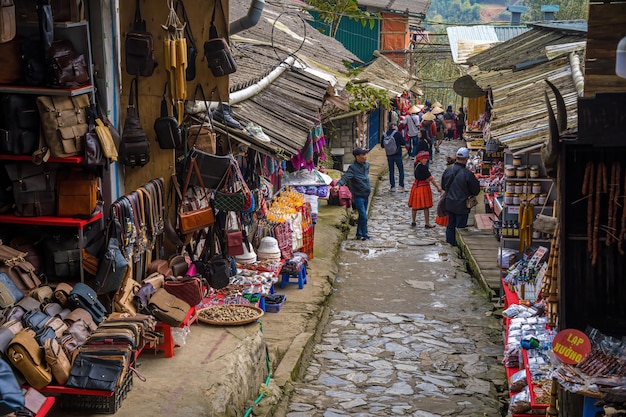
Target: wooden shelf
[(45, 91), (50, 220)]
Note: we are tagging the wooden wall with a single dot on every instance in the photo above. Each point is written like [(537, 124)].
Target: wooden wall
[(607, 25), (151, 88)]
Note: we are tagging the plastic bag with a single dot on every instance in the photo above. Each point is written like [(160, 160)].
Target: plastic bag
[(518, 381), (179, 335), (520, 402)]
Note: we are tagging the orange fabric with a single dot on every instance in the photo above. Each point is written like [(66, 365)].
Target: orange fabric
[(441, 221), (421, 196)]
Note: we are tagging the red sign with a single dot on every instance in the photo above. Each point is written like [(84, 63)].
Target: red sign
[(571, 346)]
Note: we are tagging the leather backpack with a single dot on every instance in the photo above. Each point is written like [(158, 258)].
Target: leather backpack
[(64, 122), (134, 146), (139, 48), (66, 67)]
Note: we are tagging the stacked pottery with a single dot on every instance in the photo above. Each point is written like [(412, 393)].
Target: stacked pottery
[(268, 249), (248, 256)]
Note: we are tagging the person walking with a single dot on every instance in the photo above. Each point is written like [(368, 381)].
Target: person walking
[(438, 112), (449, 123), (421, 197), (358, 177), (459, 183), (460, 123), (412, 124), (428, 123), (392, 142), (424, 143)]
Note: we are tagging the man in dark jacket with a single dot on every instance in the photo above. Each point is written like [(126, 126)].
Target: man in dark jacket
[(359, 176), (394, 159), (459, 183)]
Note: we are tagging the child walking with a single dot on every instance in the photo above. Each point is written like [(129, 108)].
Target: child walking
[(421, 197)]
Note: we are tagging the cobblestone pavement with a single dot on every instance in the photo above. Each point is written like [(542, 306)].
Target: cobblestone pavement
[(410, 333)]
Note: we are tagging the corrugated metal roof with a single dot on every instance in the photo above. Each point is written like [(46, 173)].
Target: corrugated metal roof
[(411, 6), (463, 40), (528, 48), (505, 33)]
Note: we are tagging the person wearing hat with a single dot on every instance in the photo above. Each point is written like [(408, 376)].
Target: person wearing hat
[(392, 142), (428, 123), (358, 174), (460, 124), (411, 123), (421, 197), (459, 183), (438, 112)]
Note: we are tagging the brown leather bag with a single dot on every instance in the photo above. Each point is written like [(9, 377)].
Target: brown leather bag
[(68, 69), (63, 10), (202, 137), (57, 360), (193, 219), (161, 266), (188, 289), (7, 20), (168, 308), (27, 356), (77, 194), (21, 272), (123, 300), (64, 123), (11, 61)]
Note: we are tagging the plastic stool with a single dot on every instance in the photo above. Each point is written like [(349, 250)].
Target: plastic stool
[(262, 304), (301, 276)]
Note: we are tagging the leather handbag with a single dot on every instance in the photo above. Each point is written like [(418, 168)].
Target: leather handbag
[(188, 289), (168, 308), (11, 396), (92, 372), (57, 360), (86, 298), (93, 149), (216, 51), (107, 141), (193, 219), (201, 134), (64, 123), (7, 21), (63, 10), (215, 267), (30, 246), (67, 68), (7, 332), (233, 235), (9, 293), (471, 201), (43, 294), (123, 300), (77, 194), (142, 297), (34, 189), (27, 356), (213, 168), (35, 319), (134, 146), (21, 272), (166, 127), (112, 266), (160, 266), (10, 61), (178, 265), (139, 48), (19, 124)]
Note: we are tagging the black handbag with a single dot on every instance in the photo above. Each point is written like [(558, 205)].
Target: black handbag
[(216, 51), (214, 267), (112, 266), (166, 127), (213, 168), (134, 146), (34, 189), (139, 48), (93, 372), (83, 296)]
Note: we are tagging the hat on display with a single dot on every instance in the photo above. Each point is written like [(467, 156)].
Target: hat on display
[(462, 153), (422, 155), (437, 104), (437, 110), (268, 249), (359, 151), (248, 256), (414, 109), (428, 116)]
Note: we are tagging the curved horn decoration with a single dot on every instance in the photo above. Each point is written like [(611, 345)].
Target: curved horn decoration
[(561, 111), (550, 151)]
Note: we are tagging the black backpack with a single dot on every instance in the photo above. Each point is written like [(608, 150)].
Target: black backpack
[(134, 146), (19, 124), (139, 48)]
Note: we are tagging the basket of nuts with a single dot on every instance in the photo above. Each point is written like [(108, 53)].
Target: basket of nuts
[(229, 314)]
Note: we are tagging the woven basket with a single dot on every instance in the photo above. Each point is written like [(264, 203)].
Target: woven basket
[(205, 314)]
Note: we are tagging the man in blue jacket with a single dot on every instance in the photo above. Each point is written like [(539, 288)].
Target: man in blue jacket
[(358, 174), (392, 142), (459, 183)]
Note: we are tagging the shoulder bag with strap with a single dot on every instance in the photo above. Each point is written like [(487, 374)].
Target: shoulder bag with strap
[(216, 51), (139, 48), (135, 146), (166, 127), (192, 49), (195, 219)]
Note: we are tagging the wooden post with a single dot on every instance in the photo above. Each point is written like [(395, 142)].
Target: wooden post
[(552, 410)]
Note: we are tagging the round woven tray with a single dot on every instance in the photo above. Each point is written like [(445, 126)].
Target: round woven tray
[(203, 314)]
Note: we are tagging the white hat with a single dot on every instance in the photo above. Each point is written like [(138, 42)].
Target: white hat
[(428, 116), (462, 153), (268, 249), (248, 256), (437, 110)]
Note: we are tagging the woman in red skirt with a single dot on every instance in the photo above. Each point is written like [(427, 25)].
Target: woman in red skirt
[(421, 197)]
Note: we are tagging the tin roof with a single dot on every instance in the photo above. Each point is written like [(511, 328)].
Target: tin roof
[(410, 6)]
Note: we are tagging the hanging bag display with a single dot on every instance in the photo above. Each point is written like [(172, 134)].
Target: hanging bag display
[(135, 146), (192, 48), (66, 67), (216, 50), (139, 48), (7, 20), (192, 219), (166, 127), (64, 123), (227, 196), (233, 234), (112, 266), (201, 136)]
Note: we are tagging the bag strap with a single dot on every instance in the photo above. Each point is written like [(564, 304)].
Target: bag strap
[(139, 24), (547, 198), (164, 111), (133, 96), (188, 34), (213, 30), (193, 166), (452, 179)]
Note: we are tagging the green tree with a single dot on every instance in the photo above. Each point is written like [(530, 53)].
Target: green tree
[(332, 11), (568, 9)]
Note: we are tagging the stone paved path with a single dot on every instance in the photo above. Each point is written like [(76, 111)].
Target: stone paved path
[(410, 333)]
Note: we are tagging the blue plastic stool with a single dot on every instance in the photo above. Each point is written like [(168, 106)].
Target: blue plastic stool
[(301, 276), (262, 304)]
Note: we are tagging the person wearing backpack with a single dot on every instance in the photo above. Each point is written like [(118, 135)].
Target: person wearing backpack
[(392, 142)]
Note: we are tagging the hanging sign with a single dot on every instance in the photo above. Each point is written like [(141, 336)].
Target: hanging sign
[(571, 346)]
